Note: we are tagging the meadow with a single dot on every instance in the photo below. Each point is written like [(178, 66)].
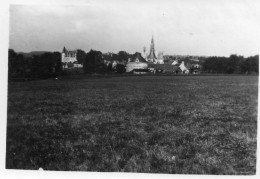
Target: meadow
[(148, 124)]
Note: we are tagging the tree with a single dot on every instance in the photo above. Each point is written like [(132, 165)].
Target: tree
[(120, 68), (36, 66), (251, 64), (233, 63), (11, 61), (92, 61), (123, 56), (109, 67), (46, 65), (56, 56), (19, 63), (115, 57), (215, 64), (81, 55)]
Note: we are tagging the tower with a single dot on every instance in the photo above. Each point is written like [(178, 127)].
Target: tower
[(144, 53), (151, 57), (63, 53)]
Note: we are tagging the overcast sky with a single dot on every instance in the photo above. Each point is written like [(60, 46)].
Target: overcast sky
[(185, 27)]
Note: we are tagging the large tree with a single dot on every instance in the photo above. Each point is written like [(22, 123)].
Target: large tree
[(81, 55), (120, 68), (123, 56), (251, 65), (92, 61), (56, 56), (11, 61), (46, 65)]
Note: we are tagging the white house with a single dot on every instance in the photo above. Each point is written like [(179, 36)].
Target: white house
[(68, 55), (137, 62), (183, 68)]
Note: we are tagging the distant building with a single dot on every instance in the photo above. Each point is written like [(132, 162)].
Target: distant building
[(195, 69), (140, 71), (151, 57), (159, 59), (69, 58), (144, 53), (175, 62), (114, 64), (68, 55), (161, 68), (196, 65), (172, 67), (137, 62), (183, 68)]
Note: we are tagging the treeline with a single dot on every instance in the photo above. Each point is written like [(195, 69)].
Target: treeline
[(96, 62), (49, 64), (231, 65), (41, 66)]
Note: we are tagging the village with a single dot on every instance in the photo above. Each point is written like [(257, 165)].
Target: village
[(140, 63)]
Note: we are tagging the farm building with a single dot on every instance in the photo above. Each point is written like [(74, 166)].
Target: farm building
[(140, 71), (183, 68), (177, 68), (137, 62)]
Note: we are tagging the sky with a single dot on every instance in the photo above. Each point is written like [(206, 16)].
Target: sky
[(179, 27)]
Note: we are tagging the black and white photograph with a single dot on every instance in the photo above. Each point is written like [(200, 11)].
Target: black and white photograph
[(133, 86)]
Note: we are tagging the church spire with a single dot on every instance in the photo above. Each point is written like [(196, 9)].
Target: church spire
[(152, 56)]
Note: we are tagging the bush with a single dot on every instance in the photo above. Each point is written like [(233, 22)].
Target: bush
[(120, 69)]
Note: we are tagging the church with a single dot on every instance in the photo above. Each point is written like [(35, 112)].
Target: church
[(141, 62), (152, 57)]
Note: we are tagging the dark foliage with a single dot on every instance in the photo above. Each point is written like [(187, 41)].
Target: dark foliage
[(93, 62), (81, 55), (38, 66), (233, 64), (123, 56), (120, 68)]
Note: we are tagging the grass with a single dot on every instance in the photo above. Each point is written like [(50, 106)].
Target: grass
[(153, 124)]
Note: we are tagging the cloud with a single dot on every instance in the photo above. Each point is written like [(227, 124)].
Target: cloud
[(218, 27)]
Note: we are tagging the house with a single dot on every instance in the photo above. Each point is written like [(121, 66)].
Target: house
[(195, 69), (183, 68), (68, 55), (136, 62), (69, 59), (140, 71), (159, 59), (175, 62), (177, 68), (160, 68)]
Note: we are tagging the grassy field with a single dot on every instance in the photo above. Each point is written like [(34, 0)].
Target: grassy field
[(158, 124)]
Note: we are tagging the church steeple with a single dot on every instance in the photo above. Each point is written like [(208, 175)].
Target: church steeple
[(152, 43), (152, 56)]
